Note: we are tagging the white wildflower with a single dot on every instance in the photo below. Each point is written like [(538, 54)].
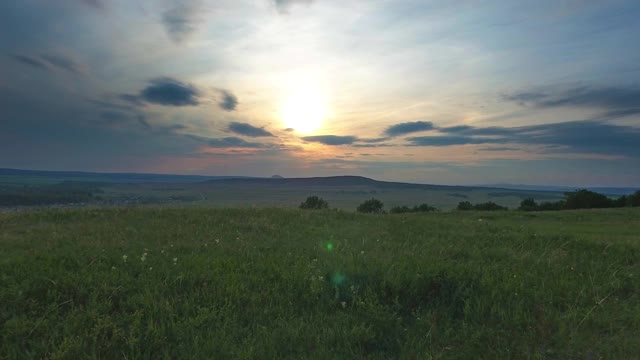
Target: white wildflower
[(113, 268), (344, 304), (124, 258)]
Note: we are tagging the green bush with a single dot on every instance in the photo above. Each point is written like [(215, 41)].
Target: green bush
[(528, 204), (400, 210), (372, 206), (465, 205), (417, 208), (314, 203), (488, 206)]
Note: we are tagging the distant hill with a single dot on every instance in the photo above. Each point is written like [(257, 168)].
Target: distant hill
[(106, 177), (341, 181)]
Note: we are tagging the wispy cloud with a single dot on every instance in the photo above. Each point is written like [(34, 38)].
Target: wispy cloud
[(229, 142), (51, 61), (331, 139), (613, 101), (408, 127), (284, 5), (181, 21), (248, 130), (586, 136)]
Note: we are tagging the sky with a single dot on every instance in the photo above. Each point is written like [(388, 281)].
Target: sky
[(442, 92)]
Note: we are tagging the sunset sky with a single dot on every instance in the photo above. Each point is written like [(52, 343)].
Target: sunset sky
[(444, 92)]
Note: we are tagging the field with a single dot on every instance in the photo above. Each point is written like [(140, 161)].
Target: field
[(19, 188), (199, 283)]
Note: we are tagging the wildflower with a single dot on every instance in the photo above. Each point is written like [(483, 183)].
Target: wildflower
[(315, 260), (362, 252), (344, 304), (151, 268), (217, 241), (113, 268), (320, 278), (124, 258), (162, 251), (175, 261)]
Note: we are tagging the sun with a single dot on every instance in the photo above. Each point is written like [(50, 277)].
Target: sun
[(304, 109)]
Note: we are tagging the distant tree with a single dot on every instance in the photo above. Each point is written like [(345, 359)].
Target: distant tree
[(314, 203), (400, 210), (585, 199), (372, 206), (551, 205), (423, 208), (621, 201), (489, 206), (465, 205), (634, 199), (528, 204)]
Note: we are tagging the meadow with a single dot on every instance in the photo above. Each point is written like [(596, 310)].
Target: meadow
[(197, 283)]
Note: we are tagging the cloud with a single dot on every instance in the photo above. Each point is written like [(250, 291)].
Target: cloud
[(374, 140), (114, 116), (119, 117), (142, 120), (63, 62), (499, 148), (618, 101), (228, 101), (96, 4), (289, 129), (331, 139), (131, 99), (586, 136), (449, 140), (51, 61), (408, 127), (284, 5), (31, 61), (229, 142), (248, 130), (479, 131), (170, 92), (180, 21)]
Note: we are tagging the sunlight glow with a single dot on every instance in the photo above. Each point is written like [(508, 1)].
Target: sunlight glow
[(304, 107)]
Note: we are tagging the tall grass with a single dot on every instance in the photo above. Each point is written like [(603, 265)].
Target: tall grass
[(277, 283)]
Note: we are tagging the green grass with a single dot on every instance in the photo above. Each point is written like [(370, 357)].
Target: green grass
[(262, 283)]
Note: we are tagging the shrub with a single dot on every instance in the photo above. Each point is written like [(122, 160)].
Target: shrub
[(400, 210), (465, 205), (488, 206), (423, 208), (551, 205), (314, 203), (528, 204), (372, 206)]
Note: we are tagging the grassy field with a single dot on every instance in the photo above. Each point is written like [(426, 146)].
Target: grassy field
[(282, 283)]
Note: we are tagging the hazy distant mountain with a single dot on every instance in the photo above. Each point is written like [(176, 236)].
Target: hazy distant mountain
[(277, 177), (110, 177), (336, 181)]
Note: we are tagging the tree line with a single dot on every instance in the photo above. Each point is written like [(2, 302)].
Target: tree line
[(579, 199), (582, 199)]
